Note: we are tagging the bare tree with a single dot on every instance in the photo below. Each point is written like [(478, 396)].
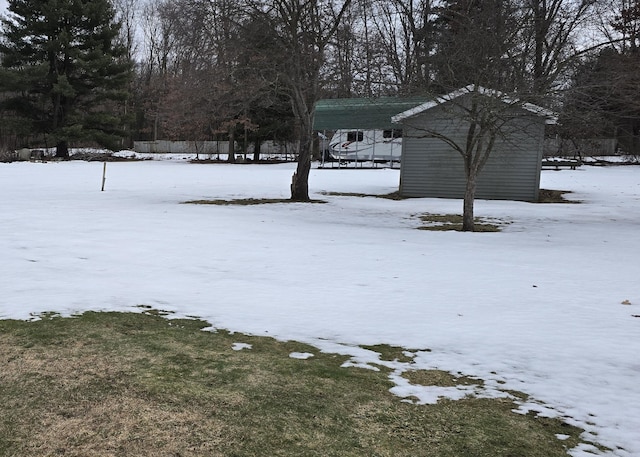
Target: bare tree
[(550, 31), (127, 12), (380, 48), (407, 33), (304, 29), (617, 24), (602, 100), (475, 49), (189, 73), (472, 120), (627, 23)]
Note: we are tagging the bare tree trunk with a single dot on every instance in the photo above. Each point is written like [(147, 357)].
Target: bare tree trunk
[(303, 108), (256, 150), (300, 179), (306, 27), (231, 157), (156, 121), (467, 206)]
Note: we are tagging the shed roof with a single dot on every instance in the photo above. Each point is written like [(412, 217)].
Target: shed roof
[(550, 116), (361, 113)]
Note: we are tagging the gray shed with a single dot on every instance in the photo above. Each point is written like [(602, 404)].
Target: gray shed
[(432, 168)]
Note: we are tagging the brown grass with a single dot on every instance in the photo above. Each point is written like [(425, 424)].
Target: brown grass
[(445, 222), (554, 196), (110, 384), (390, 196), (438, 378), (248, 201)]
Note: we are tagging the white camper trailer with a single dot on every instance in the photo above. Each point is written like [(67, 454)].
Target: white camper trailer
[(366, 145)]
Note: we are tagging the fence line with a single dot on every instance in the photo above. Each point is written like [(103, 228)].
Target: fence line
[(210, 147)]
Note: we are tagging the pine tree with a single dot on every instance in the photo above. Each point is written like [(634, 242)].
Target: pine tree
[(63, 70)]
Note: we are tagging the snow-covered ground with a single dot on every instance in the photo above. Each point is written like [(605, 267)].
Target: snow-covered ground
[(536, 308)]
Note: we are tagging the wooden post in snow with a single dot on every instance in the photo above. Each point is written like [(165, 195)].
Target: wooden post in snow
[(104, 175)]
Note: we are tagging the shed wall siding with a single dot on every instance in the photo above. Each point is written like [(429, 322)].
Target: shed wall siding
[(432, 168)]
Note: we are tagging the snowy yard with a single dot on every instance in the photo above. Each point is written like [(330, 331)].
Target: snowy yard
[(548, 307)]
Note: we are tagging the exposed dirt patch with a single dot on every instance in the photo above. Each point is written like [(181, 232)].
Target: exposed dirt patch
[(445, 222), (554, 196), (248, 201)]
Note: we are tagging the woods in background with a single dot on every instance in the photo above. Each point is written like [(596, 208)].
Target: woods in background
[(252, 69)]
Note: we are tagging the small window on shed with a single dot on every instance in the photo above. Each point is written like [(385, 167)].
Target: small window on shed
[(392, 133), (355, 135)]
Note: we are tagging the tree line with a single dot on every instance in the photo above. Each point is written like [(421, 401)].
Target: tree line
[(108, 72)]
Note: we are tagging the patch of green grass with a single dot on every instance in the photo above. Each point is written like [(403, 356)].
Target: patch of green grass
[(120, 384), (146, 309), (248, 201), (445, 222)]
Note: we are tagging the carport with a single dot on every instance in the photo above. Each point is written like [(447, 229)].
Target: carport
[(360, 114)]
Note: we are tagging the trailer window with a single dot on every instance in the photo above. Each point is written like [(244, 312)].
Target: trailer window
[(355, 136), (392, 133)]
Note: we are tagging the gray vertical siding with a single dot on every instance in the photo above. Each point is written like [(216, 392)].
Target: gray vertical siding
[(432, 168)]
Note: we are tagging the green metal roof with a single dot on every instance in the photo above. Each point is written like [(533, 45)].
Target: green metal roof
[(361, 113)]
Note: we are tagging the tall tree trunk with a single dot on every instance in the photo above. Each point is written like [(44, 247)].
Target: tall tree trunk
[(256, 150), (303, 108), (305, 27), (540, 34), (300, 179), (467, 206), (231, 156)]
